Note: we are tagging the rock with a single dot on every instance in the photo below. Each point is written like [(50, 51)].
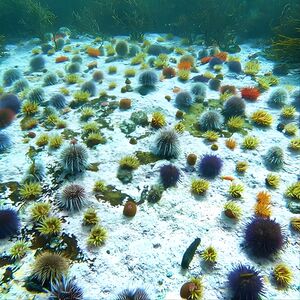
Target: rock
[(125, 176), (139, 118), (127, 126), (294, 207)]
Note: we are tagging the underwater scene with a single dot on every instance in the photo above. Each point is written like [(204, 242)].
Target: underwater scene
[(149, 150)]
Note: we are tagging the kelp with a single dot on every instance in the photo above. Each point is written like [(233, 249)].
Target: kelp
[(286, 42), (2, 45), (22, 17)]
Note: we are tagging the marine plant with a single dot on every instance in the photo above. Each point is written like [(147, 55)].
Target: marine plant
[(210, 165), (283, 275), (74, 158), (210, 254), (89, 87), (161, 61), (278, 97), (9, 222), (234, 106), (90, 217), (112, 70), (211, 135), (129, 162), (211, 120), (50, 79), (295, 223), (183, 74), (235, 123), (168, 72), (183, 99), (65, 289), (250, 142), (130, 72), (72, 197), (99, 187), (55, 141), (232, 210), (274, 158), (5, 142), (264, 237), (36, 95), (250, 93), (273, 180), (293, 145), (169, 175), (49, 267), (246, 282), (193, 289), (72, 78), (166, 144), (40, 211), (29, 108), (290, 129), (95, 138), (19, 249), (97, 236), (158, 120), (37, 63), (91, 127), (50, 226), (133, 294), (10, 101), (293, 191), (288, 112), (252, 67), (30, 190), (81, 97), (241, 166), (42, 140), (199, 186), (236, 190), (10, 76)]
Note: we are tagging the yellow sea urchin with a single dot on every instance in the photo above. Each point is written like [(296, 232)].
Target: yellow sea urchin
[(283, 275), (262, 117), (199, 186)]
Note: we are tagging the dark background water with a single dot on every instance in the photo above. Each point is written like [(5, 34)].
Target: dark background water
[(218, 21)]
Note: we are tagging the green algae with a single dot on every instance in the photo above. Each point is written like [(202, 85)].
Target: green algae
[(146, 158), (112, 196), (93, 167), (69, 134), (190, 119), (13, 187)]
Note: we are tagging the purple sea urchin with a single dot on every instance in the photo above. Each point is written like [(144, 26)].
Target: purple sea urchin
[(210, 166), (246, 282), (135, 294), (9, 222), (264, 237), (169, 175)]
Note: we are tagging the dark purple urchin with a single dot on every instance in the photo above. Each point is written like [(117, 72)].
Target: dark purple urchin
[(215, 61), (169, 175), (65, 289), (210, 166), (234, 66), (148, 78), (9, 222), (246, 283), (136, 294), (264, 237)]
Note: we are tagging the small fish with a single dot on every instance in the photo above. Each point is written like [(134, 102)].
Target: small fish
[(227, 178)]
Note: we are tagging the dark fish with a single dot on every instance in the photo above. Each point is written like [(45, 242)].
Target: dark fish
[(189, 253), (200, 78)]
